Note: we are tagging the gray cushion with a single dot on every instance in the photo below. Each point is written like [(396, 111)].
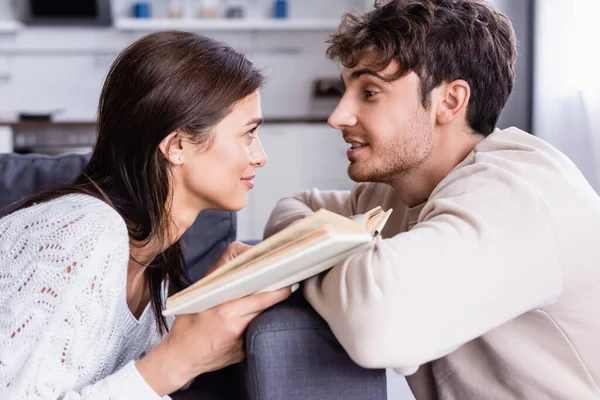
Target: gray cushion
[(21, 175), (293, 355)]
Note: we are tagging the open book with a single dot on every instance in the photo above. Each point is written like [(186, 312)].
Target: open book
[(303, 249)]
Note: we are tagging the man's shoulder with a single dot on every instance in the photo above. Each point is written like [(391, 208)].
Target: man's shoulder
[(517, 144), (509, 158)]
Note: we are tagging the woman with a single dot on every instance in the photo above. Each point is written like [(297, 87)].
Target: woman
[(85, 269)]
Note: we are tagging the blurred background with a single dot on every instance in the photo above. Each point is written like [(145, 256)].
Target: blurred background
[(54, 55)]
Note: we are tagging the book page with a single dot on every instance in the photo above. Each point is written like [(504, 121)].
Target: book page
[(289, 248), (375, 224), (296, 247)]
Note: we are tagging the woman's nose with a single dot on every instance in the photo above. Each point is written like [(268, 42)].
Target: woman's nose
[(258, 157)]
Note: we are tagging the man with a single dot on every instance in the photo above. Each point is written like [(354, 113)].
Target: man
[(487, 283)]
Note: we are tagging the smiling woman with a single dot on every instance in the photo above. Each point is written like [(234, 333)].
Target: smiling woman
[(85, 268)]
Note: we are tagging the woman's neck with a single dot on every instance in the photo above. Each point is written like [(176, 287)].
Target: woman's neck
[(142, 255), (183, 210), (138, 290)]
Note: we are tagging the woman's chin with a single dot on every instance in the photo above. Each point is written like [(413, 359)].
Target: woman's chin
[(235, 203)]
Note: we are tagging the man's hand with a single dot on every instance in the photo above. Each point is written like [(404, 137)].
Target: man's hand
[(231, 252)]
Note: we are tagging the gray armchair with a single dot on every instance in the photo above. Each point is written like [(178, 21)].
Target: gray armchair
[(291, 353)]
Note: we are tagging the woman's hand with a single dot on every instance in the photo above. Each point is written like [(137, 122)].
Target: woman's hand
[(204, 342), (231, 252)]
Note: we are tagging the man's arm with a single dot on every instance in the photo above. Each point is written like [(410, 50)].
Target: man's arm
[(291, 209), (343, 202), (476, 260)]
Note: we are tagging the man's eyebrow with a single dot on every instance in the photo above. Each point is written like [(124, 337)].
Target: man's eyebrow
[(366, 71), (256, 121)]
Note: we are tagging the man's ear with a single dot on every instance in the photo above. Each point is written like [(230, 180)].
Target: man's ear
[(455, 98), (171, 148)]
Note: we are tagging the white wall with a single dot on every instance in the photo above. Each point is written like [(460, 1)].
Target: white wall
[(567, 102), (301, 156), (518, 110)]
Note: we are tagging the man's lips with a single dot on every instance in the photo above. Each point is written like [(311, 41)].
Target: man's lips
[(356, 145), (356, 149), (355, 140)]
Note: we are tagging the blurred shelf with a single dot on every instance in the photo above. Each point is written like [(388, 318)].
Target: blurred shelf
[(43, 123), (8, 26), (51, 124), (16, 124), (55, 150), (155, 24)]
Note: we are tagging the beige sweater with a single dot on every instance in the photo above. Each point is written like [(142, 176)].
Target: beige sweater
[(492, 286)]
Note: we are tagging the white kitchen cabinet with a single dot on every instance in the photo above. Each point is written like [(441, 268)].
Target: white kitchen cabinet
[(6, 139), (7, 102), (7, 88), (301, 156), (68, 84)]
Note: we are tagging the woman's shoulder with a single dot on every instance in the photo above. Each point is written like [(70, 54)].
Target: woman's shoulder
[(73, 215)]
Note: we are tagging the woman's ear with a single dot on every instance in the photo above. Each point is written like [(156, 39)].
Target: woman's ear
[(171, 148), (455, 98)]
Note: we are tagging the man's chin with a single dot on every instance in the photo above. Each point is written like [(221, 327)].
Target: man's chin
[(358, 174), (362, 173)]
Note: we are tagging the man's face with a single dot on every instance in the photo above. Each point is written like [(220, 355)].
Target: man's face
[(389, 130)]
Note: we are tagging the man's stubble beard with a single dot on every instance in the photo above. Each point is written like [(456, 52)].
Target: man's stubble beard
[(398, 158)]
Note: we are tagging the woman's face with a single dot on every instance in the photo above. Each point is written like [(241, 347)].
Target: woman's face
[(221, 176)]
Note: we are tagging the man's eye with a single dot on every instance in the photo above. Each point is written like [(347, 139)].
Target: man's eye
[(369, 93)]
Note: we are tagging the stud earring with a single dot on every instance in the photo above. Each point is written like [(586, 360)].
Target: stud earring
[(180, 158)]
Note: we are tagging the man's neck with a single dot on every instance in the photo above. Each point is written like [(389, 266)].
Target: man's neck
[(415, 187)]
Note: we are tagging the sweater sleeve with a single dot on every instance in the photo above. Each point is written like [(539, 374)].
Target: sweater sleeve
[(127, 383), (290, 209), (361, 198), (61, 275), (484, 252)]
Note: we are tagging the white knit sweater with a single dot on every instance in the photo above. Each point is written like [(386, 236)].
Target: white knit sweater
[(66, 331)]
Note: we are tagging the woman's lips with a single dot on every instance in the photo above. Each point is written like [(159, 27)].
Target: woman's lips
[(248, 181)]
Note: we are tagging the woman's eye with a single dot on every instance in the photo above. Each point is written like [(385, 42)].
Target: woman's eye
[(250, 134)]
